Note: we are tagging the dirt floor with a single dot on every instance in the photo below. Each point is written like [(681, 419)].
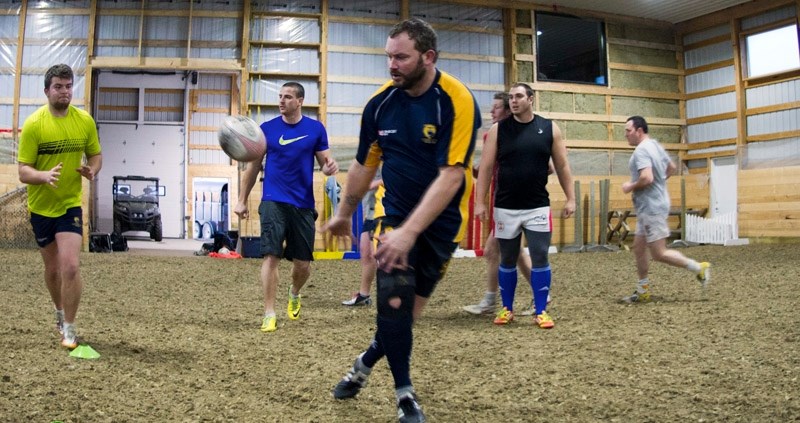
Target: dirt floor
[(179, 342)]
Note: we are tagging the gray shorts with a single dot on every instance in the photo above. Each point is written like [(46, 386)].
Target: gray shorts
[(508, 224), (281, 222), (652, 227)]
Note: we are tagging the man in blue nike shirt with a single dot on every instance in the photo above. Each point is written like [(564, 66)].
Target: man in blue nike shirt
[(287, 208)]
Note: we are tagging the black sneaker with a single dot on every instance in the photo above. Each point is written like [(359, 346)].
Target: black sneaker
[(408, 410), (351, 383), (358, 300)]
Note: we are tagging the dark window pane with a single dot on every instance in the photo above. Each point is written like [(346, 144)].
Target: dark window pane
[(570, 49)]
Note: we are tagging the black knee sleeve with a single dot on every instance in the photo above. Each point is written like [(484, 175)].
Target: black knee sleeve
[(398, 284)]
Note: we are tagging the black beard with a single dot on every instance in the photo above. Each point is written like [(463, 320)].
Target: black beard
[(410, 80), (59, 106)]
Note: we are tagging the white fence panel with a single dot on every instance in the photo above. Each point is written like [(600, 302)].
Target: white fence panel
[(716, 230)]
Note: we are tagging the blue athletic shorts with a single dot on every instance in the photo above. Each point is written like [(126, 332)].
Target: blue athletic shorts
[(45, 228)]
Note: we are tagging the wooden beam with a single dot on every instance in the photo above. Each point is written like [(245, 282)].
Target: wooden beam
[(18, 64), (710, 66), (642, 44), (603, 90), (644, 68), (707, 42), (322, 112), (580, 117), (741, 98), (712, 92), (773, 108), (773, 136), (712, 118)]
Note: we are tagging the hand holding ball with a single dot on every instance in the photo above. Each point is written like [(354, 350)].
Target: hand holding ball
[(242, 139)]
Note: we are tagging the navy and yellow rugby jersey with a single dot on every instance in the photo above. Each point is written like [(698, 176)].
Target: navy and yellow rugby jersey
[(414, 136), (523, 156)]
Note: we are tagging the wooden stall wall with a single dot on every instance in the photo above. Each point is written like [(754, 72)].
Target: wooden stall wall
[(769, 203)]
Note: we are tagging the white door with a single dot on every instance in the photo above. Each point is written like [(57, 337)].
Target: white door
[(143, 150), (723, 186)]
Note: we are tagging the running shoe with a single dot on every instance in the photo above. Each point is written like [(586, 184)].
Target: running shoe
[(69, 339), (269, 324), (544, 320), (358, 300), (408, 410), (637, 297), (531, 310), (504, 317), (484, 307), (352, 382), (293, 308), (704, 275)]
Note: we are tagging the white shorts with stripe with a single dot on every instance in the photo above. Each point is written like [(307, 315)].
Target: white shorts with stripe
[(508, 223)]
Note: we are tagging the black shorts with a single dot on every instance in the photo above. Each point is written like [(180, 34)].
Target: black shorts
[(282, 222), (368, 226), (428, 258), (45, 228)]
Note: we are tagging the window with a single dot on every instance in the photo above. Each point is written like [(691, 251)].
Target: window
[(772, 51), (570, 49)]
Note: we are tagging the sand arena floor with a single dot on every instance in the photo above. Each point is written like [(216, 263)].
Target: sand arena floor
[(179, 342)]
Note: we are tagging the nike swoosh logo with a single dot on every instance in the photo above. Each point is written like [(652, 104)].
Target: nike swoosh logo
[(282, 141)]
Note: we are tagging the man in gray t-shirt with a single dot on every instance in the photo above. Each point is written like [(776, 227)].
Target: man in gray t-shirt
[(650, 167), (653, 199)]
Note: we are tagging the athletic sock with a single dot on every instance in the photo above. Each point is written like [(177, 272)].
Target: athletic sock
[(692, 265), (360, 366), (507, 279), (373, 353), (67, 327), (643, 285), (540, 285), (396, 337), (403, 391)]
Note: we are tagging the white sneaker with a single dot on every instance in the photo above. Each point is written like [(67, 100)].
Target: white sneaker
[(531, 310), (69, 339), (483, 307)]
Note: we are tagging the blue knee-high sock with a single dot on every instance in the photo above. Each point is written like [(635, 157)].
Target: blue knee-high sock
[(396, 338), (540, 285), (373, 353), (507, 278)]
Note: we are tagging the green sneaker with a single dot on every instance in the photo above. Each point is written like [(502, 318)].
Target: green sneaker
[(638, 297), (293, 308), (704, 275), (269, 324)]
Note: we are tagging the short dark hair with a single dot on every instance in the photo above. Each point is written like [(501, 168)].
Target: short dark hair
[(528, 89), (299, 91), (638, 122), (504, 97), (59, 71), (420, 32)]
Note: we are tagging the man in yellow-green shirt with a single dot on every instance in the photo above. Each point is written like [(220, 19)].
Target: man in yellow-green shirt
[(52, 146)]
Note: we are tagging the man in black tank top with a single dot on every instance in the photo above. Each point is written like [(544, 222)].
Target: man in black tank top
[(519, 149)]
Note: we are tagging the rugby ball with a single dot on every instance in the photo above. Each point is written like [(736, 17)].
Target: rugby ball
[(242, 139)]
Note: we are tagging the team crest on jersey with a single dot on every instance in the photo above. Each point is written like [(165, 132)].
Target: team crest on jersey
[(429, 133)]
